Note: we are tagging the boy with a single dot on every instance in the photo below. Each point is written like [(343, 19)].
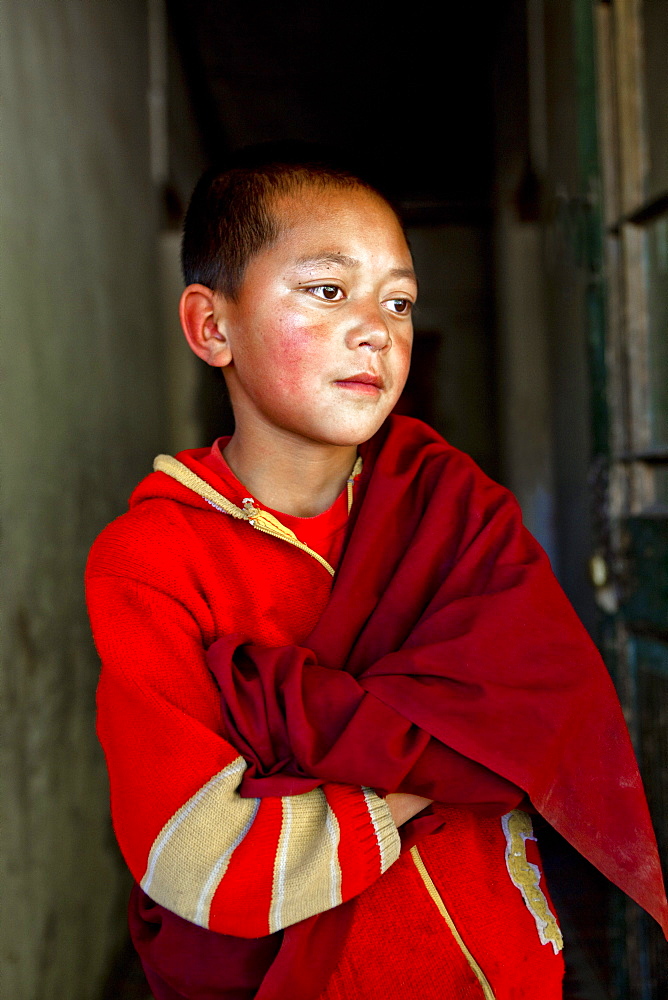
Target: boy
[(275, 741)]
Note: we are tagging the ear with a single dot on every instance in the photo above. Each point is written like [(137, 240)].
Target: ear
[(203, 315)]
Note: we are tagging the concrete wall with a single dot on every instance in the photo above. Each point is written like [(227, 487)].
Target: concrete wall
[(81, 417)]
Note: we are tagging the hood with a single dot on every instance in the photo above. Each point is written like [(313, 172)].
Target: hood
[(159, 485)]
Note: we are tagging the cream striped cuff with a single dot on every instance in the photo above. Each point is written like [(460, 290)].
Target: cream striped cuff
[(387, 835)]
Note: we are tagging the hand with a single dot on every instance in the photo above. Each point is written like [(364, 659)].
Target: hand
[(404, 806)]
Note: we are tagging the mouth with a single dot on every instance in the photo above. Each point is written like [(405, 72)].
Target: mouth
[(362, 382)]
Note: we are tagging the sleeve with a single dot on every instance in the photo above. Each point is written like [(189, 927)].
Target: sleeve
[(241, 866), (324, 723)]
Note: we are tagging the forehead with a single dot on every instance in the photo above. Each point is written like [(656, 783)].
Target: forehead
[(314, 213)]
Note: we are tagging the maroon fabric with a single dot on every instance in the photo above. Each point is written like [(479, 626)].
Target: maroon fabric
[(193, 962), (199, 964), (446, 613)]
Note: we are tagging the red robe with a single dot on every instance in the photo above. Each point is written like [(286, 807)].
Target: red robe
[(446, 611)]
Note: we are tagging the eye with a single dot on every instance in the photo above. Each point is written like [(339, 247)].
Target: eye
[(330, 293), (400, 306)]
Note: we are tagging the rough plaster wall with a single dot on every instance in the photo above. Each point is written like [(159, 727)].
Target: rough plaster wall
[(81, 417)]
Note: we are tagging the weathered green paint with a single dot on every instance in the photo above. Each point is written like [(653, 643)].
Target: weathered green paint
[(646, 604), (641, 673), (656, 265), (648, 665)]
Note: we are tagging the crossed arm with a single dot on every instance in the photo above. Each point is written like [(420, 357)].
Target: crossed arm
[(238, 865)]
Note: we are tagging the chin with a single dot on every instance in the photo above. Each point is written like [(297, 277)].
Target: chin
[(348, 436)]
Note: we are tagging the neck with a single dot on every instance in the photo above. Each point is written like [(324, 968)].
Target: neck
[(294, 476)]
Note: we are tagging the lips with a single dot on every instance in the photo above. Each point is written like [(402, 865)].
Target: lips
[(363, 378)]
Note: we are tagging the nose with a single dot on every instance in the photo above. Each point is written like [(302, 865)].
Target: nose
[(370, 329)]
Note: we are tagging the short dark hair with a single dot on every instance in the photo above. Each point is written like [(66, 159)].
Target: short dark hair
[(229, 218)]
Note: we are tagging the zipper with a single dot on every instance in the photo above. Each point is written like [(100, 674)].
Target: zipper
[(295, 541), (259, 519), (487, 990)]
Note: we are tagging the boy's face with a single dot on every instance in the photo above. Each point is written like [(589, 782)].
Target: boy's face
[(321, 332)]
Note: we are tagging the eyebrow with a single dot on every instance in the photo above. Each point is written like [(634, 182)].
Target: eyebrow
[(404, 272), (350, 262), (328, 258)]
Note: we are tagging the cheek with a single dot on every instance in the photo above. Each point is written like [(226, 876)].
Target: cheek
[(402, 359), (300, 351)]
